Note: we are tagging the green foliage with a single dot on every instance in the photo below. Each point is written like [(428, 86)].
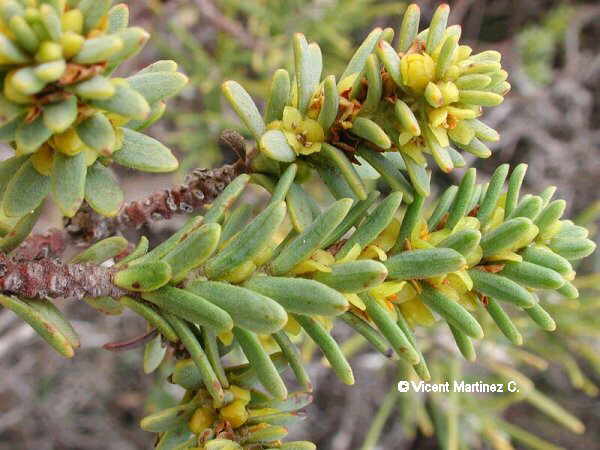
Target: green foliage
[(63, 114)]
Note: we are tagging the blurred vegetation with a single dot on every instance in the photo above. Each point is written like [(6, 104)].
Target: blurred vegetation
[(539, 44)]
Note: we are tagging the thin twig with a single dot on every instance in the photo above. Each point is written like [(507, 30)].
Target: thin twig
[(132, 343)]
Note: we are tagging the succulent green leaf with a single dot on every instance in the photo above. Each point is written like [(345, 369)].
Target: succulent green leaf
[(359, 59), (446, 56), (354, 216), (424, 263), (339, 160), (97, 132), (353, 276), (299, 295), (25, 191), (375, 85), (248, 243), (31, 135), (40, 323), (547, 258), (492, 194), (368, 332), (308, 63), (125, 102), (504, 322), (98, 49), (463, 197), (19, 231), (531, 275), (286, 179), (61, 115), (102, 191), (330, 106), (464, 344), (299, 207), (154, 353), (418, 175), (371, 131), (541, 317), (134, 39), (158, 86), (105, 305), (193, 251), (329, 346), (572, 248), (388, 171), (275, 145), (373, 225), (102, 251), (261, 363), (501, 288), (8, 131), (118, 18), (93, 11), (437, 27), (409, 28), (464, 241), (278, 96), (152, 316), (68, 182), (96, 88), (292, 354), (301, 247), (11, 52), (8, 168), (390, 330), (191, 344), (192, 307), (244, 107), (170, 418), (455, 314), (411, 218), (143, 277), (226, 199), (390, 59), (144, 153), (248, 309)]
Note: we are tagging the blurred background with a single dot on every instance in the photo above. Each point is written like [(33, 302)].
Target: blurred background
[(551, 120)]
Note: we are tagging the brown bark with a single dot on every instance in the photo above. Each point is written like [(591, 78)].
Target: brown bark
[(49, 278), (200, 188)]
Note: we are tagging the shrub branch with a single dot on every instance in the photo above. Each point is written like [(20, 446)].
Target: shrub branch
[(49, 278)]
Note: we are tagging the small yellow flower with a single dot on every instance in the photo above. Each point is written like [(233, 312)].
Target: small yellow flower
[(416, 313), (202, 419), (319, 261), (304, 135), (235, 413), (240, 394), (382, 243), (417, 71)]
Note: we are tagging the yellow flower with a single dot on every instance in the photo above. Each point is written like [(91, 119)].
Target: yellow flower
[(382, 243), (304, 135), (235, 413), (202, 419), (417, 71), (319, 261), (416, 313)]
